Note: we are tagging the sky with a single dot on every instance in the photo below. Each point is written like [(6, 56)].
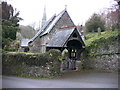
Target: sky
[(79, 10)]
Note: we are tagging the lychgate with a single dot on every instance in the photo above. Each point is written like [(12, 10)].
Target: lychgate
[(68, 38)]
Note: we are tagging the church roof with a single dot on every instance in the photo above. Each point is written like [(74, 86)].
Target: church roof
[(53, 23), (61, 37), (44, 27), (49, 25)]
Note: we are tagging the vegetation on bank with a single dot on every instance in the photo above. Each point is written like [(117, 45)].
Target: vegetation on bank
[(95, 43), (93, 38)]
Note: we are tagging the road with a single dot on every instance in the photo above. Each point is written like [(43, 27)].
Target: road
[(70, 80)]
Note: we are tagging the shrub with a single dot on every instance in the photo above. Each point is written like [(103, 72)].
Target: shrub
[(54, 54)]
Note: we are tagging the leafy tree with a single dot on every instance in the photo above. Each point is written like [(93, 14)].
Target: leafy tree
[(9, 29), (27, 31), (94, 23), (9, 23)]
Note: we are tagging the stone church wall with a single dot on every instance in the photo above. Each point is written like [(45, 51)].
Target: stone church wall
[(63, 22), (36, 45)]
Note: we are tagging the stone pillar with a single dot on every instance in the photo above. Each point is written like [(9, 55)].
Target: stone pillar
[(99, 31), (63, 66), (72, 65), (78, 65)]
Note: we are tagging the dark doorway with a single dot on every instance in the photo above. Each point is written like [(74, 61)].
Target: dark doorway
[(74, 47)]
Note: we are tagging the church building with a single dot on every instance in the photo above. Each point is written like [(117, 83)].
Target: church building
[(59, 32)]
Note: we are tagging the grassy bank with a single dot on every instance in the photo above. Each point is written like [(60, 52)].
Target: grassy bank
[(91, 38)]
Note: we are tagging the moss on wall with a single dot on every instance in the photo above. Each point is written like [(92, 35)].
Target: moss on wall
[(102, 52), (32, 64)]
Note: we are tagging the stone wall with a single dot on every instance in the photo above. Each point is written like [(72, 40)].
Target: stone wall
[(32, 65), (36, 45), (32, 71), (103, 55), (105, 47), (102, 62)]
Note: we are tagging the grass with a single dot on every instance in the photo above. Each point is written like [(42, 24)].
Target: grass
[(25, 53), (92, 37), (31, 77)]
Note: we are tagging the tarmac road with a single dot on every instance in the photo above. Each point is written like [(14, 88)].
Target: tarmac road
[(70, 80)]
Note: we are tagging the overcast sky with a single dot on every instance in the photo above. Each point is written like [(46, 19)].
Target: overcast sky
[(79, 10)]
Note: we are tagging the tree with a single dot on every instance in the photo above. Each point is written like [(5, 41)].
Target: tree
[(7, 14), (26, 32), (113, 17), (7, 11), (9, 23), (94, 23)]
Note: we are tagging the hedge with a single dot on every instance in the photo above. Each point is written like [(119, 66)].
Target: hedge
[(18, 63)]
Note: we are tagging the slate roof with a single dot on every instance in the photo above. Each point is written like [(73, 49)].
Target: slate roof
[(53, 23), (49, 25), (24, 42), (61, 36), (43, 28)]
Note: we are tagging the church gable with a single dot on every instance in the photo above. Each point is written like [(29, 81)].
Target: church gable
[(76, 35), (61, 20), (64, 21)]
